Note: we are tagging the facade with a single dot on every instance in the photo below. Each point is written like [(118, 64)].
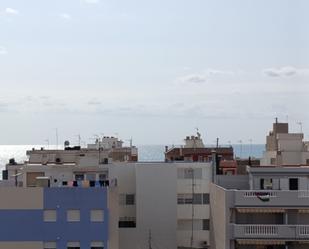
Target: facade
[(164, 203), (50, 218), (116, 150), (284, 148), (194, 151), (273, 213)]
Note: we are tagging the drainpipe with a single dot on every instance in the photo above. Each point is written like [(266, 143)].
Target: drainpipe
[(286, 222), (214, 166)]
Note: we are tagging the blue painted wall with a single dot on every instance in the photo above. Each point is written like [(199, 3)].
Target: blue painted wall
[(28, 225)]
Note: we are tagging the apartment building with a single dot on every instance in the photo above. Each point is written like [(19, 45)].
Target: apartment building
[(52, 217), (285, 148), (271, 212), (164, 204), (194, 150)]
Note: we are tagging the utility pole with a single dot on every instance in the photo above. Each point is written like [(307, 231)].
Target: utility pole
[(192, 210), (250, 140)]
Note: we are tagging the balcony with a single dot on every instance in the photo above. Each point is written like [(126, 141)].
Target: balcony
[(285, 232), (271, 198)]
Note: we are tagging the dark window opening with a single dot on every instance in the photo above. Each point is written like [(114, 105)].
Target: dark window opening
[(127, 224), (293, 183), (205, 224)]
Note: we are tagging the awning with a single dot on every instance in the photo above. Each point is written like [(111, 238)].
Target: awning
[(261, 210), (260, 242)]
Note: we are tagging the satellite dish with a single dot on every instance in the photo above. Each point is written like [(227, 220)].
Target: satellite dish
[(66, 143)]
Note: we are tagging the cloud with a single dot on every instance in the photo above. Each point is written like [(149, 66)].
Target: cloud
[(94, 102), (11, 11), (287, 71), (194, 78), (211, 71), (65, 16), (3, 50), (199, 78)]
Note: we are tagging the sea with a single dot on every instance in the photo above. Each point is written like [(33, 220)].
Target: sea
[(146, 153)]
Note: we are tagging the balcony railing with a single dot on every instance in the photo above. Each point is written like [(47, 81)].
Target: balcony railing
[(275, 198), (252, 231)]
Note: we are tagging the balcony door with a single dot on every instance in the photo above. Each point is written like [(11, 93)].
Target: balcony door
[(293, 184)]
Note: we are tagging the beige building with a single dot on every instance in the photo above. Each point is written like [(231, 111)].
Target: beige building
[(284, 148)]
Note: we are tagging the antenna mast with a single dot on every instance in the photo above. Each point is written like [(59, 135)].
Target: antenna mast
[(57, 138)]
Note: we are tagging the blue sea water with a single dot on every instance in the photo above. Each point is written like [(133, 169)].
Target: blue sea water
[(146, 153)]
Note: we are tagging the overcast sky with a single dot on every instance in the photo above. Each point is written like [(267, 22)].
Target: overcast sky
[(152, 70)]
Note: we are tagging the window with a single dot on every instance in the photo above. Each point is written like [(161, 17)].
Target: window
[(205, 198), (50, 215), (189, 173), (73, 245), (266, 183), (31, 178), (205, 224), (272, 161), (130, 199), (79, 177), (127, 199), (50, 245), (307, 161), (73, 215), (197, 198), (103, 176), (293, 183), (97, 245), (126, 222), (186, 225), (97, 215)]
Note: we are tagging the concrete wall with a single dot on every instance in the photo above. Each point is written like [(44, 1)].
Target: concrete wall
[(233, 181), (22, 216), (155, 209), (156, 197), (219, 218), (21, 198), (21, 245)]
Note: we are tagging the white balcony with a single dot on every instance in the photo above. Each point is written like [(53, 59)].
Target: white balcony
[(286, 232)]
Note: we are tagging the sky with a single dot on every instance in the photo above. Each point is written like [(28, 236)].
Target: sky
[(153, 71)]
